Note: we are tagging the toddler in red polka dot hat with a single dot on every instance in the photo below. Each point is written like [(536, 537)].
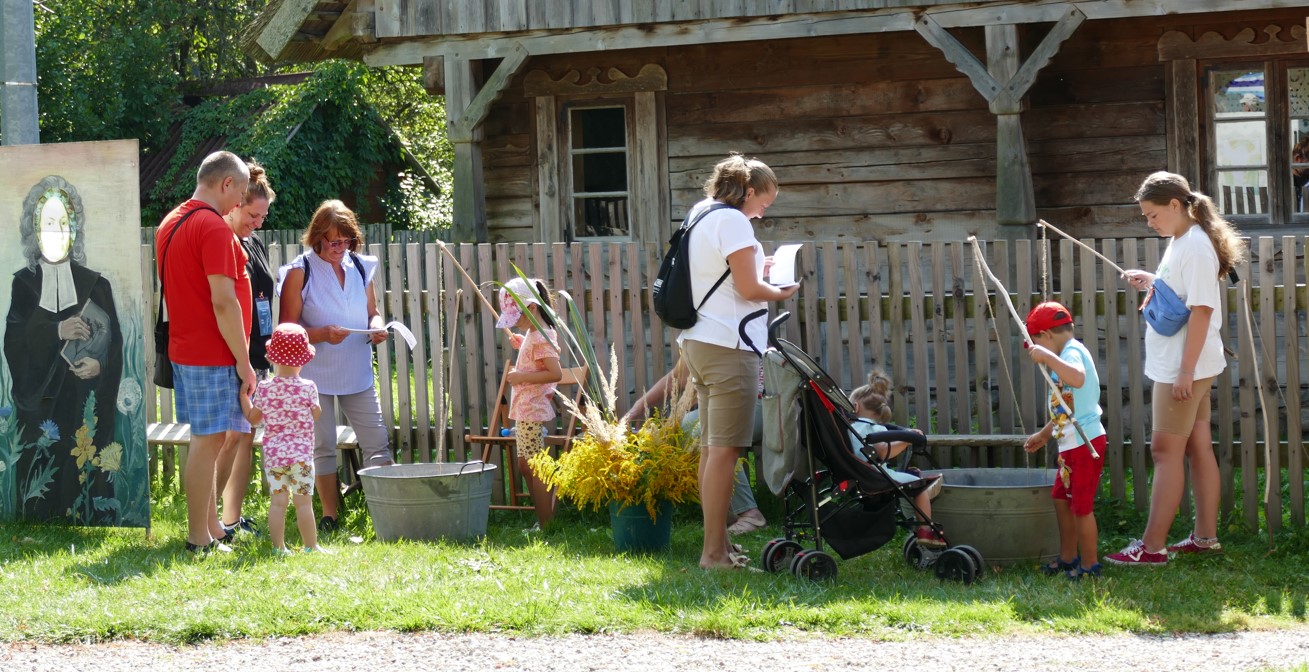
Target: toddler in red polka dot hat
[(288, 406)]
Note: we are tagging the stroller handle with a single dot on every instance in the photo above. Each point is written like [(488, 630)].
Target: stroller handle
[(775, 326)]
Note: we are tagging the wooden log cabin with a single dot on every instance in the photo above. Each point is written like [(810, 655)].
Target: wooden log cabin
[(884, 119)]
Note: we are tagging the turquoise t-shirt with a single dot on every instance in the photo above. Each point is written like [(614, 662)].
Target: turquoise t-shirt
[(1086, 399)]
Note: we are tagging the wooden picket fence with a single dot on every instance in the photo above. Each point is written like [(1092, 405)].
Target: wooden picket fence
[(921, 311)]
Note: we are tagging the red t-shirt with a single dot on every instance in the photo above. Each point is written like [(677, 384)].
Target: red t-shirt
[(204, 246)]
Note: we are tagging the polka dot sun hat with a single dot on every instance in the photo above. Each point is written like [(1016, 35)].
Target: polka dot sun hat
[(290, 346)]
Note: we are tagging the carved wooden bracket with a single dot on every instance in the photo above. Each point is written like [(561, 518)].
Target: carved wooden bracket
[(651, 78), (1176, 45), (1003, 97)]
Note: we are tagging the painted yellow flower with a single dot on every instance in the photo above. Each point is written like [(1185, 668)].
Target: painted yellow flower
[(84, 450), (111, 457)]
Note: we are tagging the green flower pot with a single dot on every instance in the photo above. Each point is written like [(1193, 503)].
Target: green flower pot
[(635, 532)]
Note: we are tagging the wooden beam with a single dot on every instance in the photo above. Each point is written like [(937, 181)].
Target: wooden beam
[(434, 75), (1015, 196), (469, 221), (478, 108), (1022, 81), (283, 26), (342, 30), (1183, 109), (787, 26), (957, 53)]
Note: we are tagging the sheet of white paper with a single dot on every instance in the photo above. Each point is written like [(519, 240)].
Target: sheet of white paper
[(397, 327), (782, 272)]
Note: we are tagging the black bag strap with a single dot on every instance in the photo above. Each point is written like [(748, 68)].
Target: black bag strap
[(686, 231), (163, 255), (304, 286)]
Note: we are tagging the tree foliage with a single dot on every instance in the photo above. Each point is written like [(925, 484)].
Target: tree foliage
[(115, 70), (322, 138)]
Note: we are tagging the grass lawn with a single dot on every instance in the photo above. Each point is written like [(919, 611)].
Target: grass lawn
[(84, 584)]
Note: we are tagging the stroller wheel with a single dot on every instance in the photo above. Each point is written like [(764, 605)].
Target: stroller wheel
[(813, 565), (976, 555), (916, 556), (956, 565), (777, 554)]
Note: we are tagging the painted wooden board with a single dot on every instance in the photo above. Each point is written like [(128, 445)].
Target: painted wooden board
[(78, 327)]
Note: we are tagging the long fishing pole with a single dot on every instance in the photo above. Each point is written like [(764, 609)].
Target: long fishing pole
[(1047, 225), (1027, 340), (495, 315)]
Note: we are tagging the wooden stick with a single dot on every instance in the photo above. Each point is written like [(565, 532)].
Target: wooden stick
[(1052, 227), (495, 315), (1027, 340)]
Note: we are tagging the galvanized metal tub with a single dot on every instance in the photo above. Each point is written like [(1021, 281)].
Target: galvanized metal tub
[(1006, 514), (449, 500)]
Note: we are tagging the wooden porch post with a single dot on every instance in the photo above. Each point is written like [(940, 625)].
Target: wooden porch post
[(1003, 85), (1015, 198), (465, 110)]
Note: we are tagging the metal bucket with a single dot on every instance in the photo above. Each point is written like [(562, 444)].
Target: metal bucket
[(1006, 514), (449, 500)]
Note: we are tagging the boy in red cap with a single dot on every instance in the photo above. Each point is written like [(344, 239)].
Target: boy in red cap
[(288, 405), (1051, 327)]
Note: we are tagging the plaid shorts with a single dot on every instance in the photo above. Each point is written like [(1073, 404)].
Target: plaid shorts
[(208, 398)]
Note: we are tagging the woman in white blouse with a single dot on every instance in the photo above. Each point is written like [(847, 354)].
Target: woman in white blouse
[(329, 291)]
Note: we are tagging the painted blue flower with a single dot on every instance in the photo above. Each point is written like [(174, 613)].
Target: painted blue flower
[(50, 430), (5, 412)]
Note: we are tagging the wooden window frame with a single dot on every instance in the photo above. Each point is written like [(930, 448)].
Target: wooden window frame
[(1192, 144), (648, 208), (568, 191)]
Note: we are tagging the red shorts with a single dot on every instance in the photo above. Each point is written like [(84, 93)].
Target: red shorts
[(1079, 476)]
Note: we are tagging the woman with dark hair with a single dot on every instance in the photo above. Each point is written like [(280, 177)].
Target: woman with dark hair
[(330, 291), (1202, 248), (235, 461), (722, 349), (65, 353)]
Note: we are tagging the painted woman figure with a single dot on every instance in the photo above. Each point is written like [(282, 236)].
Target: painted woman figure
[(63, 345)]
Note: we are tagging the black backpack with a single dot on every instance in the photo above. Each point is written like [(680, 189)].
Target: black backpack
[(673, 300), (305, 257)]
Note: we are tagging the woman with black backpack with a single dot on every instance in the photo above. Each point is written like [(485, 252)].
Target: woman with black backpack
[(723, 347)]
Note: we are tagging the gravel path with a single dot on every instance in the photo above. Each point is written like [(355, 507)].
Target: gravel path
[(380, 651)]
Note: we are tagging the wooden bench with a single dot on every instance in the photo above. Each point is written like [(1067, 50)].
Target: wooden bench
[(976, 440), (179, 434)]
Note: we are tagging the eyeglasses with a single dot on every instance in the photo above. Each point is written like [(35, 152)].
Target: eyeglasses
[(340, 243)]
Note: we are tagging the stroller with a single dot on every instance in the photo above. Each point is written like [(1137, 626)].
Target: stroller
[(831, 497)]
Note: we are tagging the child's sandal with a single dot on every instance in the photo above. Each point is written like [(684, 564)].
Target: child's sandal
[(1076, 574), (1058, 566)]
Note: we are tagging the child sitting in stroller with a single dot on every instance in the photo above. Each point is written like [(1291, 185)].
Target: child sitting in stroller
[(872, 401)]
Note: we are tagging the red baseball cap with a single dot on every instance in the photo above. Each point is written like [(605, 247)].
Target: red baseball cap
[(1046, 316)]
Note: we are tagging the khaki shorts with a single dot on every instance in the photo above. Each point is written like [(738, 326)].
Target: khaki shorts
[(1178, 417), (727, 388)]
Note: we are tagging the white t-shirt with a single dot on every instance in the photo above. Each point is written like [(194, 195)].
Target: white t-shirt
[(717, 235), (1190, 267)]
